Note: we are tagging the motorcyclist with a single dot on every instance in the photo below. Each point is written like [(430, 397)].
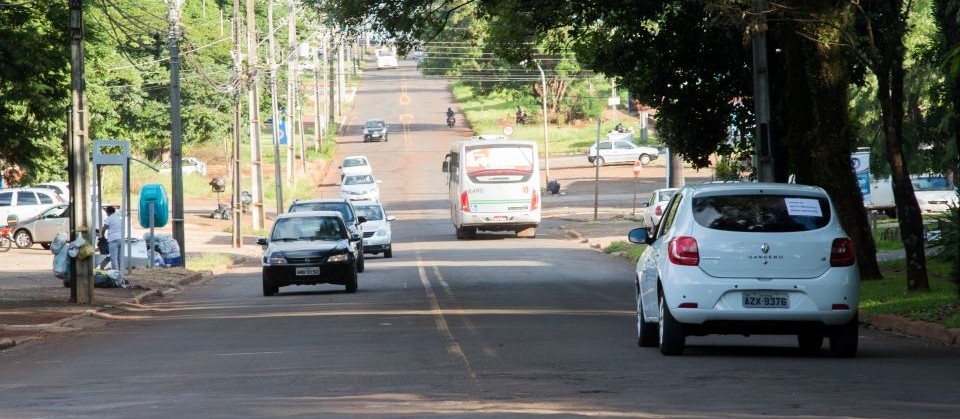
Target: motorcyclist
[(450, 118), (450, 113)]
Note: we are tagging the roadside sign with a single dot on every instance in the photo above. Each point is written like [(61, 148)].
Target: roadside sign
[(613, 101), (636, 168), (507, 130)]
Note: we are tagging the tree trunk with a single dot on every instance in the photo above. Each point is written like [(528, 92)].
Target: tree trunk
[(813, 77), (888, 66)]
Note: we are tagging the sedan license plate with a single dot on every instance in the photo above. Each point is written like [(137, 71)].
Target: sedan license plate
[(766, 300), (499, 218), (308, 270)]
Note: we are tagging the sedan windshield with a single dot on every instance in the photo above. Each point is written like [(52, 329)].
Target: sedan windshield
[(358, 180), (371, 212), (354, 162), (308, 228)]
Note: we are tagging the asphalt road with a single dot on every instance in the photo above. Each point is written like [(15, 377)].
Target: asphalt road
[(494, 327)]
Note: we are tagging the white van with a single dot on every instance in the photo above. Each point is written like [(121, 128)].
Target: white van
[(386, 58)]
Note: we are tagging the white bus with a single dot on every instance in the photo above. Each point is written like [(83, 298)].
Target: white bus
[(494, 185)]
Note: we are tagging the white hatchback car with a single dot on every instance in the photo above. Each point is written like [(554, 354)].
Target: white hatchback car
[(24, 203), (653, 210), (360, 188), (355, 165), (621, 151), (748, 258), (377, 235)]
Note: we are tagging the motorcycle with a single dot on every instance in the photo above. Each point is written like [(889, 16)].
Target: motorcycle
[(451, 121), (6, 238)]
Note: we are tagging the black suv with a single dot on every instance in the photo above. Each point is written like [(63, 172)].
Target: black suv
[(375, 130), (345, 208)]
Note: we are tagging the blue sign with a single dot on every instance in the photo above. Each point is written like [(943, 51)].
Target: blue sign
[(283, 132)]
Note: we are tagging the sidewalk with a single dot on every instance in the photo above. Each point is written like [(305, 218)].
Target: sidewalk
[(34, 303)]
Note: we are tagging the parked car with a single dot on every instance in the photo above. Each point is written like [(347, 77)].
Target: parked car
[(347, 212), (25, 202), (61, 188), (934, 193), (188, 165), (748, 258), (360, 188), (355, 165), (377, 236), (654, 207), (375, 130), (308, 248), (43, 227), (621, 151)]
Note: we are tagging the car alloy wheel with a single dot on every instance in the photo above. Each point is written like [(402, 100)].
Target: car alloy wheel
[(22, 239)]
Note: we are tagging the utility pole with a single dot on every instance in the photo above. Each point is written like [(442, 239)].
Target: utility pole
[(237, 72), (317, 131), (175, 128), (82, 270), (761, 96), (293, 63), (546, 140), (275, 107), (253, 109), (329, 79), (341, 80)]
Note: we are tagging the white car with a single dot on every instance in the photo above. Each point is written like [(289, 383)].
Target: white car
[(360, 188), (23, 203), (355, 165), (748, 258), (654, 208), (621, 151), (377, 236), (61, 188), (188, 165)]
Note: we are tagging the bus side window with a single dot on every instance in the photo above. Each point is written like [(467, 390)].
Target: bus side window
[(454, 167)]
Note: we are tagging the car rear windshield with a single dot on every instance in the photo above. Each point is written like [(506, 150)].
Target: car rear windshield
[(342, 207), (761, 213)]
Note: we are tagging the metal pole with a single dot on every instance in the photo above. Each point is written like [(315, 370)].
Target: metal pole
[(236, 234), (175, 128), (82, 272), (764, 135), (317, 132), (253, 108), (292, 66), (276, 110), (596, 178), (546, 140)]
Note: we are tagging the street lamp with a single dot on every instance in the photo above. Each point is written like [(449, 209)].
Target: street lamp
[(546, 140)]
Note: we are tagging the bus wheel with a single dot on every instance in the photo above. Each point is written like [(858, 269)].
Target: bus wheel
[(461, 233), (529, 232), (470, 232)]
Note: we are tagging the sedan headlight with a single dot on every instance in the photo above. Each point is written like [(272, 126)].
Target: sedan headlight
[(338, 258), (275, 259), (381, 233)]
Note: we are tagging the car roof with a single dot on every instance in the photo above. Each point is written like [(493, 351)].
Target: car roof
[(304, 214), (753, 187), (356, 157), (320, 200)]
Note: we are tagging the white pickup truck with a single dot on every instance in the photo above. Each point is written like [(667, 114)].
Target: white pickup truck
[(934, 193)]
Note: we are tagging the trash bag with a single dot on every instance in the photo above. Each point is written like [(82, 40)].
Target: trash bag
[(61, 264), (58, 242)]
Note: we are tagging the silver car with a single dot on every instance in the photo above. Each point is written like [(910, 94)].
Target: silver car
[(621, 151), (42, 227)]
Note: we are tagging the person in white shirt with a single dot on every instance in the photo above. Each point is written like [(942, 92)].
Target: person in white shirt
[(114, 234)]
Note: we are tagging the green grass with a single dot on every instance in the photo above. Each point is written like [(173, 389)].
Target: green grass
[(887, 296), (489, 114), (208, 261), (890, 296)]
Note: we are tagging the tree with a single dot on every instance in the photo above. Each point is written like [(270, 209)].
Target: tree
[(34, 88)]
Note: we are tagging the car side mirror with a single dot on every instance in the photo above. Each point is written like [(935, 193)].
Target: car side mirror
[(445, 168), (354, 237), (361, 219), (391, 217), (262, 241), (640, 236)]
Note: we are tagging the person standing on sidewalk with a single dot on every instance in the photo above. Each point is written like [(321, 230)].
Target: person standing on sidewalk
[(114, 234)]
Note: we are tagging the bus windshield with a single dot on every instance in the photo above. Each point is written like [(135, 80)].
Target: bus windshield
[(514, 161)]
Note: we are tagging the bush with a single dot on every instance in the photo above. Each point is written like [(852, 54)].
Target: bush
[(947, 243)]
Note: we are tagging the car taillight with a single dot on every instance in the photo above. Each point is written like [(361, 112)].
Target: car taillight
[(659, 211), (841, 252), (464, 202), (534, 201), (684, 251)]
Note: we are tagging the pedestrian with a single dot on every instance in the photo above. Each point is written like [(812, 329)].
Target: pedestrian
[(114, 234)]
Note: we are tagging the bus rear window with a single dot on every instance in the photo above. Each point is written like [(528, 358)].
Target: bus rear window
[(499, 160)]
